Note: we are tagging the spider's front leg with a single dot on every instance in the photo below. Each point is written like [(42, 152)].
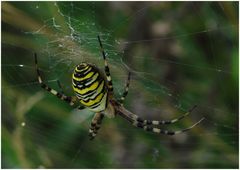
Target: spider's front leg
[(95, 125), (107, 71)]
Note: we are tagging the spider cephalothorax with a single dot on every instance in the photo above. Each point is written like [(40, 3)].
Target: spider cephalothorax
[(94, 90)]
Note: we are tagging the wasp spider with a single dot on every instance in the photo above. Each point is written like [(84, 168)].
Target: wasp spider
[(94, 90)]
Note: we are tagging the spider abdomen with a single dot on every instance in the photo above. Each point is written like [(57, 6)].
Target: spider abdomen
[(90, 87)]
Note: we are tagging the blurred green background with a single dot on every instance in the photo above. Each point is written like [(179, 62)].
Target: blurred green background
[(180, 54)]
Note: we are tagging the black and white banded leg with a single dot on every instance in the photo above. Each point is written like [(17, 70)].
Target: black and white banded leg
[(136, 118), (107, 71), (138, 122), (121, 100), (99, 122), (61, 96), (74, 98), (95, 125), (162, 131), (163, 122)]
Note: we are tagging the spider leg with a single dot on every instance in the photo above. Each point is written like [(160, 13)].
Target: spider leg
[(74, 98), (163, 122), (107, 71), (61, 96), (156, 122), (133, 120), (121, 100), (165, 132), (99, 122), (95, 125)]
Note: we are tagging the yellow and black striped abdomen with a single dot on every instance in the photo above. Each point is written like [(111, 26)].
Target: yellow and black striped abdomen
[(90, 87)]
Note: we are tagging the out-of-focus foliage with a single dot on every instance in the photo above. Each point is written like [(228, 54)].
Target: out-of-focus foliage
[(180, 53)]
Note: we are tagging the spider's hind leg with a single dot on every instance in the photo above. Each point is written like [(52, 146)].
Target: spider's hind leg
[(147, 124), (165, 132), (164, 122)]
